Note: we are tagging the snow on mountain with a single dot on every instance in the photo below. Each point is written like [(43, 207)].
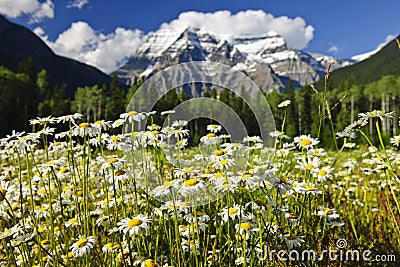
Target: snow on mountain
[(363, 56), (266, 59)]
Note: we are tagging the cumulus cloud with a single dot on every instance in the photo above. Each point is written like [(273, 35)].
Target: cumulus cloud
[(78, 4), (33, 8), (257, 22), (104, 51), (333, 49)]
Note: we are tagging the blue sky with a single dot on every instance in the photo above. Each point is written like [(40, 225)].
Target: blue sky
[(339, 28)]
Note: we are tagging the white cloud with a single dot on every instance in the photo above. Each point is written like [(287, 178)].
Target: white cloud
[(77, 4), (333, 49), (33, 8), (225, 24), (363, 56), (104, 51)]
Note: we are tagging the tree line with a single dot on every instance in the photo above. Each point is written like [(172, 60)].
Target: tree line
[(26, 94)]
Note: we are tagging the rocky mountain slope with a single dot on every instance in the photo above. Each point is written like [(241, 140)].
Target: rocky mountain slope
[(266, 59)]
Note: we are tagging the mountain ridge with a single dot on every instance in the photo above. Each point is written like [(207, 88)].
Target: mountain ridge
[(386, 61), (266, 58), (19, 43)]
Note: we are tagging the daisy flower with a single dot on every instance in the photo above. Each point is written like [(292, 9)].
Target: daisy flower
[(214, 128), (132, 116), (169, 188), (305, 141), (234, 212), (85, 128), (210, 139), (254, 139), (149, 263), (328, 213), (395, 140), (72, 222), (69, 118), (102, 125), (240, 261), (292, 240), (284, 104), (192, 186), (133, 226), (82, 246), (324, 173), (224, 163), (179, 123), (309, 164), (283, 152)]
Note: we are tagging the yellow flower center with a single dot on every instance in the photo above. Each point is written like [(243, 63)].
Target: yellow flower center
[(84, 125), (150, 263), (155, 132), (291, 237), (115, 137), (132, 113), (247, 175), (310, 188), (328, 212), (134, 222), (305, 142), (81, 243), (309, 166), (199, 213), (245, 226), (73, 220), (45, 242), (322, 172), (173, 207), (57, 143), (232, 211), (219, 153), (191, 182), (210, 135), (112, 160), (224, 161), (293, 216), (119, 172), (168, 184), (63, 170), (41, 230)]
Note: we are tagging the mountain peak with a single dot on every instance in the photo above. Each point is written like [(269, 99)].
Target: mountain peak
[(248, 52)]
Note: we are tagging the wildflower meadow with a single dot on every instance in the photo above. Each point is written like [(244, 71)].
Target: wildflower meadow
[(77, 193)]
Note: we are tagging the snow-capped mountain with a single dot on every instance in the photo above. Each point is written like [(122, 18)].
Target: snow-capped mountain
[(266, 59)]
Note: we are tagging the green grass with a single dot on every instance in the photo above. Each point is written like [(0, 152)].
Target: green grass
[(66, 201)]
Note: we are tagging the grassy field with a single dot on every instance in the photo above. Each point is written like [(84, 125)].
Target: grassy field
[(85, 197)]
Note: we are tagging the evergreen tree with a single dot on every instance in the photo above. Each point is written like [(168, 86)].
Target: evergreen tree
[(116, 100)]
